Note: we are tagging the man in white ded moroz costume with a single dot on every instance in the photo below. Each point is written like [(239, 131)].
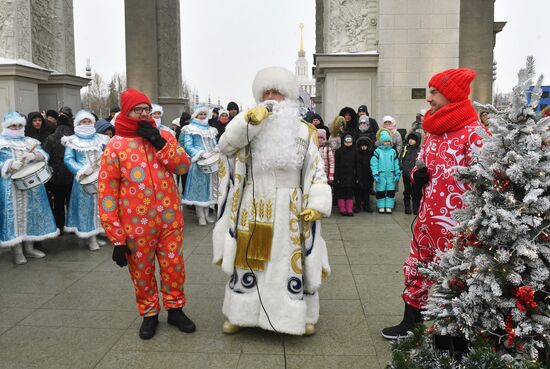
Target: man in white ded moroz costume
[(272, 194)]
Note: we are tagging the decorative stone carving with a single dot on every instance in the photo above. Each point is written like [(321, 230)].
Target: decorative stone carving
[(53, 34), (351, 26), (15, 37), (44, 27)]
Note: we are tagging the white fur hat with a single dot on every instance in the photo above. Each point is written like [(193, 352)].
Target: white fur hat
[(11, 118), (82, 115), (201, 109), (278, 78), (156, 107), (176, 122), (389, 118)]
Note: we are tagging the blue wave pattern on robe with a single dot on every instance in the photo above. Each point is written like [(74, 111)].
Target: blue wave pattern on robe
[(82, 214), (195, 139), (25, 215)]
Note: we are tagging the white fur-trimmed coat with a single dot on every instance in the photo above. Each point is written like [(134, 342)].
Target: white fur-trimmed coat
[(290, 281)]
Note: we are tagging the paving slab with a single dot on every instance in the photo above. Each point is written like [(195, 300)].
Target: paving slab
[(76, 308)]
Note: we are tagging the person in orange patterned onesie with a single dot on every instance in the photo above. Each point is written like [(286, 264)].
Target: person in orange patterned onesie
[(140, 210)]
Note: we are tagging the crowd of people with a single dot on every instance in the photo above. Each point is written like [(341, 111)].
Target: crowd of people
[(265, 179)]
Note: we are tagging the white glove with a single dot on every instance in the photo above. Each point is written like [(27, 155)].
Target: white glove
[(16, 165), (39, 156), (87, 171), (29, 156), (206, 155), (216, 149)]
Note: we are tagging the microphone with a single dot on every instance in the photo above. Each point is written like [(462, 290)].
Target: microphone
[(269, 104)]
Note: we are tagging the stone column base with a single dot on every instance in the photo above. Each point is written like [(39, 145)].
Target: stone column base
[(172, 107)]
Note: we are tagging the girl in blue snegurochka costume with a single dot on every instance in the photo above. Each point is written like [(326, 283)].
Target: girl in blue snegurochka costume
[(26, 216), (83, 152), (199, 141)]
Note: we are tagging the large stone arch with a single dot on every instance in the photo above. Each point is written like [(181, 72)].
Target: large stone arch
[(382, 53)]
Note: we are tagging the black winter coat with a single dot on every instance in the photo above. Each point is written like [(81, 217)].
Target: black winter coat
[(345, 166), (364, 171), (39, 134), (54, 148), (409, 155)]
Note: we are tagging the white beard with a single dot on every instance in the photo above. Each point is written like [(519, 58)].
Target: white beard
[(275, 146)]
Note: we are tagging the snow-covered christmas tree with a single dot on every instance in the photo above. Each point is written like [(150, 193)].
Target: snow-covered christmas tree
[(493, 285)]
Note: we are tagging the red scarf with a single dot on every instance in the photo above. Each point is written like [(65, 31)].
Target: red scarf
[(450, 117), (127, 127)]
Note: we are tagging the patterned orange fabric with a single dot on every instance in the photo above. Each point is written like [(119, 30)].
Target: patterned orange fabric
[(139, 205)]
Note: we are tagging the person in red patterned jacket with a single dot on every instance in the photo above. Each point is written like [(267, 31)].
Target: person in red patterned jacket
[(451, 140), (140, 210)]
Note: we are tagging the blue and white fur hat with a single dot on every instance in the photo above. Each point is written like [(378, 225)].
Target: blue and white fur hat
[(11, 118), (155, 108), (201, 109), (82, 114)]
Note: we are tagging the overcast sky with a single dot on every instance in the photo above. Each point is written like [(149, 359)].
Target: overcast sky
[(223, 45)]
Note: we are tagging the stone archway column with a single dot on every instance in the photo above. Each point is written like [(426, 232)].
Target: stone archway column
[(153, 52)]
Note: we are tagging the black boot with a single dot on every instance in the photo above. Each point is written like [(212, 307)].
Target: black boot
[(178, 318), (367, 207), (148, 327), (407, 207), (411, 317)]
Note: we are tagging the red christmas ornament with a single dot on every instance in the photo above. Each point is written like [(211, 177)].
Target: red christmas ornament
[(457, 284), (500, 182), (525, 298)]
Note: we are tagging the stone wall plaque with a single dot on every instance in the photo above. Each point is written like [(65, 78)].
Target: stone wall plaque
[(418, 93)]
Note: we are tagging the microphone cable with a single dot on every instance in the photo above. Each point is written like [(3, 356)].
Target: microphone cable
[(281, 336)]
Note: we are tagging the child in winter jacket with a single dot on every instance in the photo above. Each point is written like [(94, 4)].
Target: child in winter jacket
[(364, 174), (391, 124), (408, 161), (326, 153), (386, 173), (345, 174), (336, 131)]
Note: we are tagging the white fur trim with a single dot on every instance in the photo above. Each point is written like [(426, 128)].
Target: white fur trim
[(13, 121), (278, 78), (80, 172), (229, 252), (235, 136), (312, 303), (6, 168), (79, 234), (20, 239), (201, 109), (316, 262), (156, 107), (198, 203), (82, 114), (320, 198), (218, 237), (197, 156)]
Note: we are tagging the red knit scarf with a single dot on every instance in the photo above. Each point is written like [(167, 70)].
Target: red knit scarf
[(450, 117), (127, 127)]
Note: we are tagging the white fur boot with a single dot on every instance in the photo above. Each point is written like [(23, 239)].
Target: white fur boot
[(18, 257), (92, 243), (30, 251), (201, 214), (210, 218)]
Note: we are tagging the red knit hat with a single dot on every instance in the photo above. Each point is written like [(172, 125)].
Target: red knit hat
[(454, 84), (131, 98)]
